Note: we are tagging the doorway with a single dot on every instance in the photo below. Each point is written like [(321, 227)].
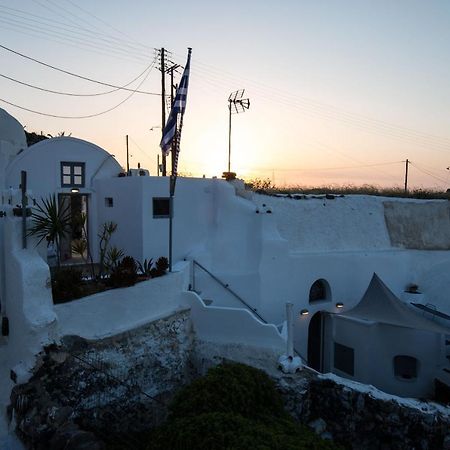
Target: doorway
[(74, 245), (315, 341)]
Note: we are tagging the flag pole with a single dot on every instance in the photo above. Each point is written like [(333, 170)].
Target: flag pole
[(171, 139)]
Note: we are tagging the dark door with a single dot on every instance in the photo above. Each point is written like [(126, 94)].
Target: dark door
[(76, 207), (315, 342)]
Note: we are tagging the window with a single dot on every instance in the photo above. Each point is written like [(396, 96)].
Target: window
[(320, 291), (161, 207), (405, 367), (72, 174), (344, 359), (109, 202)]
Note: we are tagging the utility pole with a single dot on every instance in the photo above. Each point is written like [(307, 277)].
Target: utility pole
[(128, 158), (406, 175), (163, 104)]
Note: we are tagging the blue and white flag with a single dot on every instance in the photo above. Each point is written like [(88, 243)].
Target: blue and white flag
[(178, 107)]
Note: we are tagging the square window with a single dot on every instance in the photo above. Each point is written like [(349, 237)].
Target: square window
[(405, 367), (72, 174), (161, 207), (109, 202)]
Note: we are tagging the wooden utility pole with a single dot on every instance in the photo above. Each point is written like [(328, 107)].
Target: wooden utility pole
[(163, 104), (128, 157), (406, 176)]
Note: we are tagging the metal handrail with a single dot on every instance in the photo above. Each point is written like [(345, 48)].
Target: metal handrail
[(225, 285)]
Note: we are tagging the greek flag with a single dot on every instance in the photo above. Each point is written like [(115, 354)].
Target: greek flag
[(178, 107)]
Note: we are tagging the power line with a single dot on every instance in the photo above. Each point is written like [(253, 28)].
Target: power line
[(77, 117), (109, 25), (77, 75), (429, 174), (72, 94), (51, 26), (340, 111)]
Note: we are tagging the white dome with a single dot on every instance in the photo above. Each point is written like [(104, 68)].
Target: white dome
[(12, 131)]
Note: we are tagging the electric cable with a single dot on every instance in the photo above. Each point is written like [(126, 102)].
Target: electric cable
[(429, 174), (77, 75), (77, 117), (79, 41), (110, 43), (72, 94)]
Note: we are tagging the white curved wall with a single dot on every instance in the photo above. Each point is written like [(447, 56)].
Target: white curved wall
[(42, 162)]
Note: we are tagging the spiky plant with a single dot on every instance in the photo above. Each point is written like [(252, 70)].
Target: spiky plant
[(51, 223)]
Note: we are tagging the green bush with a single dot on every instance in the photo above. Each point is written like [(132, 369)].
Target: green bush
[(125, 273), (230, 388), (66, 284), (233, 407), (219, 431)]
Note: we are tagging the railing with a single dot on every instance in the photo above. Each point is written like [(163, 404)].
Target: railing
[(227, 287), (235, 295)]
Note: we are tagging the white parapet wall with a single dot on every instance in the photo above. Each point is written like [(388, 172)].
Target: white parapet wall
[(239, 326), (28, 297), (118, 310)]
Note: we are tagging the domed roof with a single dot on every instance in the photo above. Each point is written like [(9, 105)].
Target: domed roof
[(12, 131)]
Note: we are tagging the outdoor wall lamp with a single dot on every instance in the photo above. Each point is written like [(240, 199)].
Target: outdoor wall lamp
[(74, 190), (339, 305), (304, 312)]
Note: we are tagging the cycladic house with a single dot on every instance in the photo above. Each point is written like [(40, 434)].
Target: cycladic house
[(384, 342)]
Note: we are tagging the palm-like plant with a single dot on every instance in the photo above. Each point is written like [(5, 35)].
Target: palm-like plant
[(51, 223)]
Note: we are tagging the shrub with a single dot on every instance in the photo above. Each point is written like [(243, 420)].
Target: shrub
[(125, 273), (230, 388), (233, 407), (161, 266), (66, 284), (218, 431)]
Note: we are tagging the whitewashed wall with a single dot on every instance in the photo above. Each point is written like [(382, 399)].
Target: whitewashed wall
[(232, 326), (42, 162), (375, 346)]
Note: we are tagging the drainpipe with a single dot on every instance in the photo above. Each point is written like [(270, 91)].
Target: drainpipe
[(290, 330), (99, 167)]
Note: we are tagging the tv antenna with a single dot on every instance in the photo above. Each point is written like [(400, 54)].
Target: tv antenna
[(236, 105)]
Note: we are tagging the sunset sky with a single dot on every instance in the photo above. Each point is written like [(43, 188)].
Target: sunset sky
[(341, 92)]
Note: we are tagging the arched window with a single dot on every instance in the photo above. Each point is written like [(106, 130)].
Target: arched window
[(405, 367), (320, 291)]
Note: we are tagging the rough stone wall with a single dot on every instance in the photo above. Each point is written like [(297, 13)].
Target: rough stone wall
[(111, 385), (355, 419), (125, 383), (358, 420), (420, 226)]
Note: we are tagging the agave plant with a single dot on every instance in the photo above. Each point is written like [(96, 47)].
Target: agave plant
[(145, 267), (50, 223)]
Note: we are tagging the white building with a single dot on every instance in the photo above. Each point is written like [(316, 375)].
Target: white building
[(248, 254)]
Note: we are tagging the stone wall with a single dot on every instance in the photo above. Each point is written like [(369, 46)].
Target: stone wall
[(110, 385), (126, 382), (357, 416), (359, 420)]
